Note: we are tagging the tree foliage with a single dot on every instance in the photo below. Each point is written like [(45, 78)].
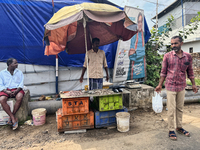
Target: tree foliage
[(197, 18), (192, 27), (153, 58)]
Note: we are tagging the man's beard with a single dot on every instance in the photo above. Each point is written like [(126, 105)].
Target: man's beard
[(176, 49)]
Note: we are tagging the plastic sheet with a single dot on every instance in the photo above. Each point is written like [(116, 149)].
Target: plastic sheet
[(22, 31)]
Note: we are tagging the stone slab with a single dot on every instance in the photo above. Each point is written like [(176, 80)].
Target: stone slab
[(22, 113), (138, 98)]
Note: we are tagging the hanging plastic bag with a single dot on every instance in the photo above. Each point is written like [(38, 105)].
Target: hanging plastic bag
[(157, 103)]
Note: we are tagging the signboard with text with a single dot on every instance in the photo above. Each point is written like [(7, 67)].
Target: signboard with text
[(130, 60)]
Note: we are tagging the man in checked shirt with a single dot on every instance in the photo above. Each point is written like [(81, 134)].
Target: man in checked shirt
[(174, 67)]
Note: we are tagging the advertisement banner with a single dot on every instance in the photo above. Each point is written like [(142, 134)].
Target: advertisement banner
[(130, 56)]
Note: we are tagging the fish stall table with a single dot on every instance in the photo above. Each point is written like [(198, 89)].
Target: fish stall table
[(94, 93), (76, 112), (106, 97)]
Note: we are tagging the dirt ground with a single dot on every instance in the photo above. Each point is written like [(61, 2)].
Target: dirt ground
[(46, 136)]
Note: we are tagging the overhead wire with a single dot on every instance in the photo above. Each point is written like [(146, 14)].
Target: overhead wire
[(177, 12)]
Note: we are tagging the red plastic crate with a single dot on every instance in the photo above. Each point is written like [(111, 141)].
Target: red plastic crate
[(74, 122), (59, 119), (72, 106)]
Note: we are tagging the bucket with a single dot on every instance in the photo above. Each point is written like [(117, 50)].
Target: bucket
[(123, 121), (39, 116)]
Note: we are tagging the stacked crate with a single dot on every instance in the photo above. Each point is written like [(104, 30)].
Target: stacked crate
[(106, 109), (74, 114)]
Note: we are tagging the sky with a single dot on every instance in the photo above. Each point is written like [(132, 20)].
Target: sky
[(149, 7)]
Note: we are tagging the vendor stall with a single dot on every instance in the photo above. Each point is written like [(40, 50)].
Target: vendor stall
[(78, 111)]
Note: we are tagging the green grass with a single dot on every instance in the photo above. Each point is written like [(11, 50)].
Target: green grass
[(22, 122), (3, 126), (197, 82), (29, 118)]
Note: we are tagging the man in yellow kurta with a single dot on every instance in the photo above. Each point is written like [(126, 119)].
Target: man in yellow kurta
[(96, 62)]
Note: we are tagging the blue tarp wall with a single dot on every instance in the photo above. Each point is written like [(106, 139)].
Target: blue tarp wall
[(22, 29)]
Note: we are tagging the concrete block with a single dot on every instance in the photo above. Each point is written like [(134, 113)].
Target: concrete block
[(22, 113), (141, 98)]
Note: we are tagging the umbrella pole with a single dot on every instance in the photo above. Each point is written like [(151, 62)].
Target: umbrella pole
[(84, 26), (57, 74), (56, 58)]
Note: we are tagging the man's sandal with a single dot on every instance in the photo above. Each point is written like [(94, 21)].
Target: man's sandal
[(182, 131), (9, 123), (15, 125), (172, 135)]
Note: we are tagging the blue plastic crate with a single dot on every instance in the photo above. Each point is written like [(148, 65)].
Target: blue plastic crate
[(107, 118)]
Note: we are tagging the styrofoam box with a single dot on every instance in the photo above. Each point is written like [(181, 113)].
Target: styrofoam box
[(3, 115)]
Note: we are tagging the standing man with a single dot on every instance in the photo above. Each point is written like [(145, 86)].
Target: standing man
[(11, 85), (96, 61), (174, 67)]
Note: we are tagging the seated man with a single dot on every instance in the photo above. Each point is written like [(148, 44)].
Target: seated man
[(11, 85)]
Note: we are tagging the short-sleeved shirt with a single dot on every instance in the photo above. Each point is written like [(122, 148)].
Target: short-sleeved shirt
[(96, 62), (174, 69), (11, 81)]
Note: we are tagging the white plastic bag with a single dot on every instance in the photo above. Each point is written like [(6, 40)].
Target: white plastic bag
[(157, 103)]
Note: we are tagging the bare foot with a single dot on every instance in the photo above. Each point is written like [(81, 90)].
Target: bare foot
[(9, 122), (15, 124)]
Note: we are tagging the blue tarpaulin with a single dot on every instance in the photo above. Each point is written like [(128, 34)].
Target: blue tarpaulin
[(22, 28)]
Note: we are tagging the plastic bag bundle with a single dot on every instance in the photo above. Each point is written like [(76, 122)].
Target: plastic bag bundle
[(157, 103)]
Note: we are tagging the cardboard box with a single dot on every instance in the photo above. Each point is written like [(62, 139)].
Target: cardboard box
[(3, 115), (106, 85)]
